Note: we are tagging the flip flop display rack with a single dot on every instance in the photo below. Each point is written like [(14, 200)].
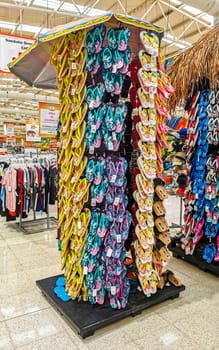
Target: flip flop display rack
[(201, 232), (111, 190)]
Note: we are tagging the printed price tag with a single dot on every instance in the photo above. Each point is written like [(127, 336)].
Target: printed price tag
[(72, 125), (119, 238), (74, 66), (151, 91), (72, 179), (196, 196), (72, 91), (94, 293), (153, 59), (91, 150), (113, 179), (64, 129), (113, 290), (93, 202), (85, 270), (116, 201), (110, 146), (114, 136), (91, 104), (9, 189), (59, 144), (79, 225), (93, 128), (114, 70), (151, 103), (187, 250), (148, 66), (109, 253)]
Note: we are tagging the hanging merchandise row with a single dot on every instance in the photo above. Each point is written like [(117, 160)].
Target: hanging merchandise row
[(27, 186), (111, 225), (201, 232)]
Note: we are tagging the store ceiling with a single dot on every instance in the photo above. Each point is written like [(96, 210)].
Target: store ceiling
[(182, 23)]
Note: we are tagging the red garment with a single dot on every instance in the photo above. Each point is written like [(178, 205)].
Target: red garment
[(39, 186)]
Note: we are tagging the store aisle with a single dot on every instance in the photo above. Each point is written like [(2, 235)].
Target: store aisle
[(27, 321)]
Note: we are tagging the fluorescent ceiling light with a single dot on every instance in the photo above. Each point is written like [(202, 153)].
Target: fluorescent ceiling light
[(208, 18), (182, 44), (22, 27), (7, 25), (177, 44), (176, 2), (71, 8), (11, 79), (194, 11), (94, 12), (50, 4), (23, 2), (167, 40), (31, 29)]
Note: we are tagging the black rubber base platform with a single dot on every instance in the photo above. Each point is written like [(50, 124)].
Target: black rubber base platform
[(87, 318), (195, 259)]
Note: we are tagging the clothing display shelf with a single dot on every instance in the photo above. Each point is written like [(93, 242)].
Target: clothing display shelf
[(196, 89), (201, 230), (29, 184), (112, 230)]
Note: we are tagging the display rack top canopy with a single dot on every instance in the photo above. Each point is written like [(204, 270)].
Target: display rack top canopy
[(33, 65), (194, 67)]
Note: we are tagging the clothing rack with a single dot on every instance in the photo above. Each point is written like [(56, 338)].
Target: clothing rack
[(37, 224), (41, 224)]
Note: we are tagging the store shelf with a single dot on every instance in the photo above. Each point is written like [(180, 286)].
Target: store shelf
[(87, 318), (195, 259)]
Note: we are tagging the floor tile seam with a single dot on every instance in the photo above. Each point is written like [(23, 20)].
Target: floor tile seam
[(184, 332), (196, 279), (9, 333), (28, 313), (196, 268), (60, 332)]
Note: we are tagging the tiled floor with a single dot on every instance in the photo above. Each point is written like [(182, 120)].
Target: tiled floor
[(28, 322)]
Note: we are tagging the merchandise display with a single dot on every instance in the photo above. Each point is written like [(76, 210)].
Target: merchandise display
[(109, 174), (201, 201), (201, 220), (25, 187), (111, 134)]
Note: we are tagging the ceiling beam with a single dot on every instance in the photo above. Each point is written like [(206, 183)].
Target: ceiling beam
[(38, 9), (186, 14)]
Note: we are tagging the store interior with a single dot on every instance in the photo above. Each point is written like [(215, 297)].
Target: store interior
[(109, 197)]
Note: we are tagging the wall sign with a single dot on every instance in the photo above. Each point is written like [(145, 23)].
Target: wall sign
[(32, 132), (9, 129), (11, 46), (49, 117)]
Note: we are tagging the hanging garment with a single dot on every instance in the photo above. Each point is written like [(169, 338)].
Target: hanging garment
[(10, 183)]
